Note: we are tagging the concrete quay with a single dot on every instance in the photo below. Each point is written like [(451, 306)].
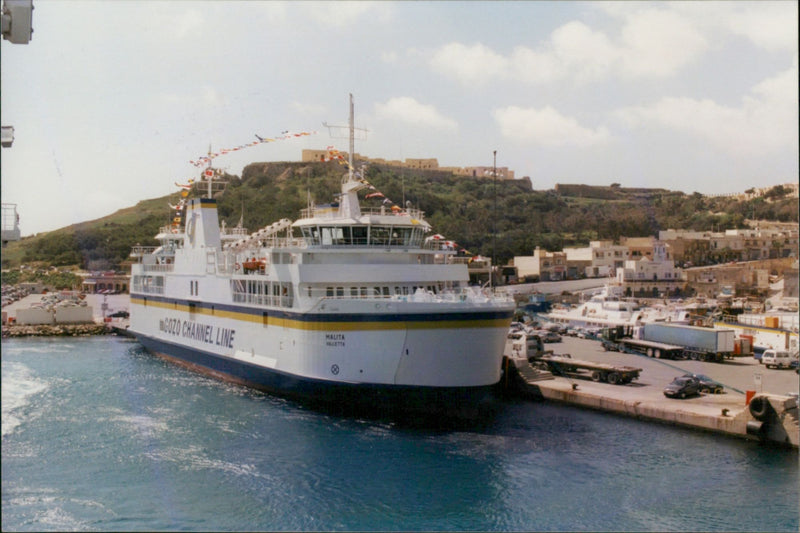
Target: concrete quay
[(725, 413)]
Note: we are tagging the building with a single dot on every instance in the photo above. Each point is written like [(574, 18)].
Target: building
[(772, 241), (548, 266), (418, 164), (106, 282), (654, 276), (738, 279), (599, 259), (639, 247)]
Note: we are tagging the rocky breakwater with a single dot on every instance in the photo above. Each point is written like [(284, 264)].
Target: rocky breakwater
[(55, 330)]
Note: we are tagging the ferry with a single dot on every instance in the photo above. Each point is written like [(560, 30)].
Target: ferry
[(610, 308), (346, 307), (607, 308)]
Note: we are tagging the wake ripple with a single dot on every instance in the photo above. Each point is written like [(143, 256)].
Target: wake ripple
[(19, 386)]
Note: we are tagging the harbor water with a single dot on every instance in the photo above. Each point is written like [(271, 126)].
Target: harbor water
[(99, 435)]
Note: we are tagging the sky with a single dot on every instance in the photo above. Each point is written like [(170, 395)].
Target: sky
[(111, 100)]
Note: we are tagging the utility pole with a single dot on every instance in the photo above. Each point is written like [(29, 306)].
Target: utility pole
[(494, 218)]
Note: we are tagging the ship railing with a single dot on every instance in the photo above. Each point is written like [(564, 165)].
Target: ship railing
[(438, 245), (233, 232), (323, 211), (420, 294), (139, 251), (265, 300), (174, 230), (164, 267), (265, 242)]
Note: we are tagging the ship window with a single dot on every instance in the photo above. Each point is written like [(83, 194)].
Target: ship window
[(315, 235), (379, 236), (329, 292), (327, 238), (397, 290), (363, 292), (354, 292), (340, 292), (359, 235), (332, 236), (385, 292)]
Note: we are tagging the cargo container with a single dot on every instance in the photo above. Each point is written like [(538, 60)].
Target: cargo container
[(704, 344)]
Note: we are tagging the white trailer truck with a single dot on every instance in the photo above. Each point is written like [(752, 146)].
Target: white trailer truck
[(702, 344)]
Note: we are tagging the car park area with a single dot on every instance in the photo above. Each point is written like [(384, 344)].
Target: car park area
[(736, 377)]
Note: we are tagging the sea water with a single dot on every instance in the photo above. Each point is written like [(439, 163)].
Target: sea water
[(99, 435)]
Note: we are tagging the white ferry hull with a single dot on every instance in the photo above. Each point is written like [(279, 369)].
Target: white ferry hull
[(390, 361)]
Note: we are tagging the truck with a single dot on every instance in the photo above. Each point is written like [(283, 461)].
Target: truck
[(699, 343), (620, 338)]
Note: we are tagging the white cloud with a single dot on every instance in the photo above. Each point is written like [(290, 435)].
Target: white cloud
[(188, 23), (764, 23), (547, 127), (470, 64), (407, 109), (658, 43), (389, 57), (765, 122), (587, 54), (308, 109), (641, 42), (343, 14)]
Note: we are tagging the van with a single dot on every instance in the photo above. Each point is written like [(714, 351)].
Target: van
[(777, 359)]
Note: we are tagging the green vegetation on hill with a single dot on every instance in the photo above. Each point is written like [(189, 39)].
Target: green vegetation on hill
[(461, 208)]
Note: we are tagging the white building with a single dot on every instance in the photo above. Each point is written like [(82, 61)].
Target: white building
[(654, 276), (599, 259)]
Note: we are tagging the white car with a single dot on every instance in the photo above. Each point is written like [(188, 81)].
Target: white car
[(777, 359)]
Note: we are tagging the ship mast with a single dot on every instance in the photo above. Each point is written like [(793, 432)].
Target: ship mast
[(351, 125), (351, 136), (209, 173)]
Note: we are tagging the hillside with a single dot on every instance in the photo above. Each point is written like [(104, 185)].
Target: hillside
[(461, 208)]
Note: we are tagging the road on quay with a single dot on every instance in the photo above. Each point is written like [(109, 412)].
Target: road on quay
[(737, 375)]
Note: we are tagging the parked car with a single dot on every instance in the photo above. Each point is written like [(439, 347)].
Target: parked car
[(593, 333), (682, 387), (777, 359), (706, 383), (120, 314), (551, 336)]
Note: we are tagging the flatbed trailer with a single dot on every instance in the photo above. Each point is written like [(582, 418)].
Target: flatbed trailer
[(659, 350), (565, 365)]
